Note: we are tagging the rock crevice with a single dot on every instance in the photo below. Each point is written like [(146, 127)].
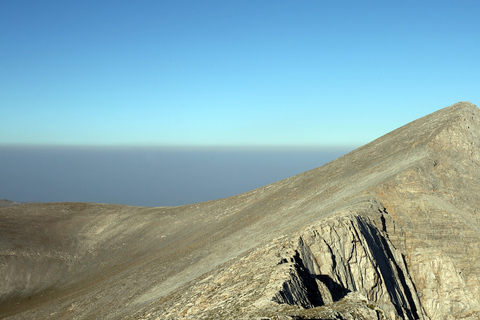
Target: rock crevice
[(345, 254)]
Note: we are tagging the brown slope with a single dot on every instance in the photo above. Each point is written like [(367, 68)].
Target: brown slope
[(102, 261)]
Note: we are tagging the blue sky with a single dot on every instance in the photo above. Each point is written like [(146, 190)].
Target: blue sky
[(230, 73)]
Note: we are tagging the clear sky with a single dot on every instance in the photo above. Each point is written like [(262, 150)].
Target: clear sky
[(235, 73)]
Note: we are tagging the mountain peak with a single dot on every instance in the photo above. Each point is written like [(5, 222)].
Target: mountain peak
[(463, 106), (441, 128), (388, 231)]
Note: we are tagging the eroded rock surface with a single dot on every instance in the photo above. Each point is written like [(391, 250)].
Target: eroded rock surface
[(333, 260)]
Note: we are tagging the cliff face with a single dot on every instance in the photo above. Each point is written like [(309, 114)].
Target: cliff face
[(389, 231), (436, 201), (346, 257), (341, 267)]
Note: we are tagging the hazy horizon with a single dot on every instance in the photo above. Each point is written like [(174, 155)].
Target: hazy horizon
[(208, 74), (148, 176)]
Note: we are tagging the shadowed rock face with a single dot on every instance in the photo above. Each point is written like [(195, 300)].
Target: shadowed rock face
[(388, 231)]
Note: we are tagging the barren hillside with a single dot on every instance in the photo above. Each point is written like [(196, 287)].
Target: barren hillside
[(388, 231)]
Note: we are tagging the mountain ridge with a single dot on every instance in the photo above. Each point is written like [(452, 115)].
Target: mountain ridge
[(401, 195)]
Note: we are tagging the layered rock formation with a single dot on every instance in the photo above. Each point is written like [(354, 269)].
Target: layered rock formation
[(388, 231)]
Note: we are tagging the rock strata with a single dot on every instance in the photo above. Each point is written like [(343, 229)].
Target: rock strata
[(331, 261)]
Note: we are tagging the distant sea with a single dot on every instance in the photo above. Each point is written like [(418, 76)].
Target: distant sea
[(148, 176)]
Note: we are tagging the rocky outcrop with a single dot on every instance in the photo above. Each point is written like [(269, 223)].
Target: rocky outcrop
[(348, 253), (347, 257)]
